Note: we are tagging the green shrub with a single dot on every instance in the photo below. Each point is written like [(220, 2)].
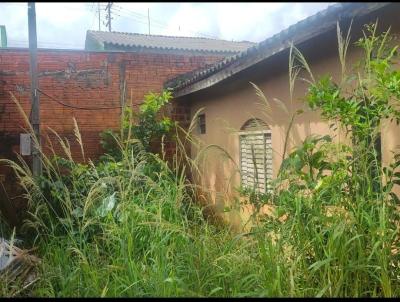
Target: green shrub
[(147, 125), (128, 226)]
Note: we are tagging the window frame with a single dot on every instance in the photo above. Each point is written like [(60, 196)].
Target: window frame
[(243, 133), (201, 123)]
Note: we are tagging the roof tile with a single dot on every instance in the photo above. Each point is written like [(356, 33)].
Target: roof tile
[(168, 42), (275, 43)]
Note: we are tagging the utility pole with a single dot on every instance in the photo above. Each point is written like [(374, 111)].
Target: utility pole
[(108, 9), (35, 113), (98, 9), (148, 18)]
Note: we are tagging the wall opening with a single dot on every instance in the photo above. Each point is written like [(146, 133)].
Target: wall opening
[(202, 123), (255, 147)]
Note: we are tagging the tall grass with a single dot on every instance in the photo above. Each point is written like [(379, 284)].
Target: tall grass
[(119, 230), (128, 228), (134, 227), (340, 232)]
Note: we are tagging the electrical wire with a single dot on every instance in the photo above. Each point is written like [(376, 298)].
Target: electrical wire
[(160, 23), (78, 107), (120, 14), (94, 15), (153, 24), (42, 43), (127, 15)]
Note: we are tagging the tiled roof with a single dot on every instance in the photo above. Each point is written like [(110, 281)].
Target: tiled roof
[(167, 42), (297, 33)]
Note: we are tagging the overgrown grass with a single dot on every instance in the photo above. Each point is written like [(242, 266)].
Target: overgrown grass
[(120, 229), (133, 227)]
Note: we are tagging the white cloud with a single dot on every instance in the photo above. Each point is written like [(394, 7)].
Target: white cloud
[(190, 20), (64, 25), (238, 21), (241, 22)]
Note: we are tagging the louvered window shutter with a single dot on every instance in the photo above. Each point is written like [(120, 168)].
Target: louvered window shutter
[(256, 159)]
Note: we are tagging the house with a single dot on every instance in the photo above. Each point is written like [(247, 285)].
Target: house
[(86, 79), (134, 42), (232, 116)]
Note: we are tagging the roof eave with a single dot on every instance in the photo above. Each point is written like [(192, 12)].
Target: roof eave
[(236, 68), (246, 62), (172, 49)]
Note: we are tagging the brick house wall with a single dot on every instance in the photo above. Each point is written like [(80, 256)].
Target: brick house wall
[(85, 79)]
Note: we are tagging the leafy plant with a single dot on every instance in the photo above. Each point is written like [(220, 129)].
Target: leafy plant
[(128, 226), (363, 99), (147, 125)]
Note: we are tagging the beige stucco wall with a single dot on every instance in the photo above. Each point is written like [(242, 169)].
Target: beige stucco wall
[(228, 105)]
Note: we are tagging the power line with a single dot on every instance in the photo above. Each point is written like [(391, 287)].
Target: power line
[(130, 11), (138, 15), (94, 15), (108, 16), (126, 14), (148, 18), (98, 9), (43, 43), (122, 14), (78, 107), (142, 16), (83, 108), (162, 24), (115, 7), (138, 18)]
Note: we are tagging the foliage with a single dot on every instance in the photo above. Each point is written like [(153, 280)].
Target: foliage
[(146, 125), (363, 99), (335, 215), (254, 197), (112, 229), (130, 226), (317, 166)]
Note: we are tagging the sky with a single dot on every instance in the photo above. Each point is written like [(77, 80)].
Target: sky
[(64, 25)]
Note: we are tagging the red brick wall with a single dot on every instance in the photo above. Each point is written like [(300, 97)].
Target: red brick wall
[(85, 79)]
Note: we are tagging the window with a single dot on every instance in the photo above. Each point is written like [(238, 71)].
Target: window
[(202, 123), (255, 155)]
